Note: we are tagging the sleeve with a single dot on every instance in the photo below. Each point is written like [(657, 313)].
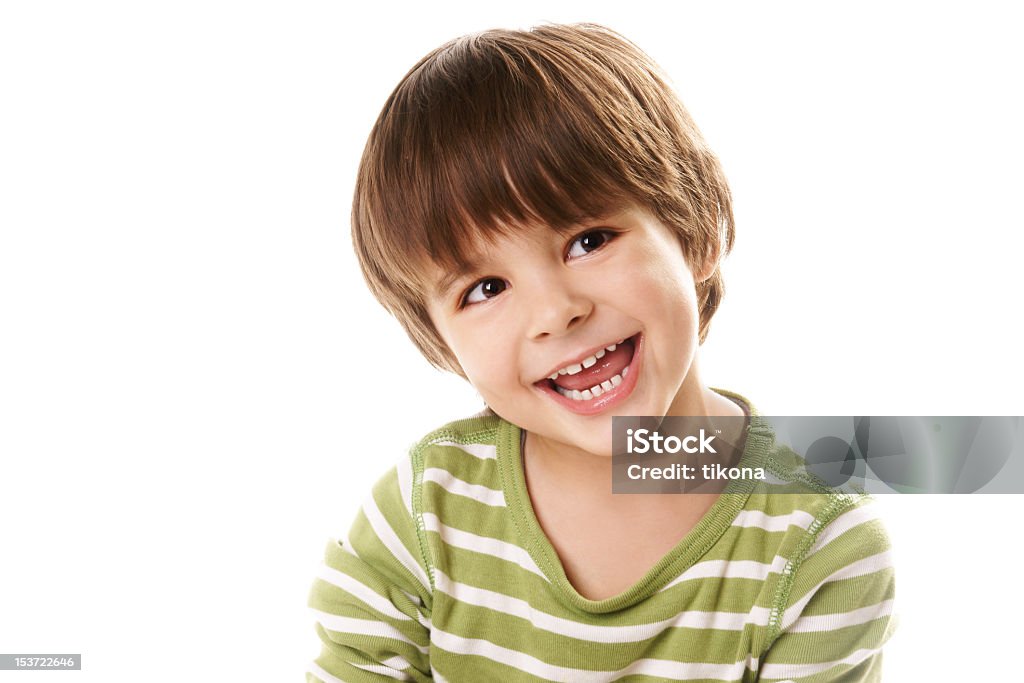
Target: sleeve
[(372, 597), (836, 608)]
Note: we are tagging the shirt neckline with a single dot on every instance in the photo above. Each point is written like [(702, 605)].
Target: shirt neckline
[(684, 554)]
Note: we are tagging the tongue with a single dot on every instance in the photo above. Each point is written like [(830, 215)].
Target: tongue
[(611, 364)]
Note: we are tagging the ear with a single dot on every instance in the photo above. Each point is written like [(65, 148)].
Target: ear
[(707, 264)]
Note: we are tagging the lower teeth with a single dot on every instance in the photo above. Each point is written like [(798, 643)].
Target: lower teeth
[(595, 391)]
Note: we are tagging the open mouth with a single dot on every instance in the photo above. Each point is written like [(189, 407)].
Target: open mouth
[(598, 381)]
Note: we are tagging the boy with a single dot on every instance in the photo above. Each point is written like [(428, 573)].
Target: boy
[(544, 218)]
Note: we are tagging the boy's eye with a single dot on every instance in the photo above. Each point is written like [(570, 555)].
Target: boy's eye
[(483, 290), (588, 242)]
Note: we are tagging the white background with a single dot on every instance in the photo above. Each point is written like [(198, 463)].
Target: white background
[(196, 390)]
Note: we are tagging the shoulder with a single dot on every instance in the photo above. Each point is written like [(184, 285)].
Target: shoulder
[(815, 512), (459, 461), (833, 603), (457, 458), (456, 445), (453, 458), (815, 531), (477, 434), (461, 446), (832, 541)]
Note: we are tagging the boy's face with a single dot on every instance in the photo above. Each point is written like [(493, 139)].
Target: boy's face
[(539, 305)]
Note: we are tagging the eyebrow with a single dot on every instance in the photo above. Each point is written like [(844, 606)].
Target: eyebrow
[(444, 285)]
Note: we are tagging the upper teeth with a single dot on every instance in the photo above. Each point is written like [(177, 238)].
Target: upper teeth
[(587, 362)]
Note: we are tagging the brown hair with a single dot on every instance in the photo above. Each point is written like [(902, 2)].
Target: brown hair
[(503, 128)]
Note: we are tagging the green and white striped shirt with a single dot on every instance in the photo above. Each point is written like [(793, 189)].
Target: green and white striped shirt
[(446, 575)]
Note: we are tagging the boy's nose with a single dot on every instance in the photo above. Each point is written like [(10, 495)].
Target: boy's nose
[(555, 310)]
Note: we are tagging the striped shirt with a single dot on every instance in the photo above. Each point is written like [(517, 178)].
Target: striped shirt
[(446, 575)]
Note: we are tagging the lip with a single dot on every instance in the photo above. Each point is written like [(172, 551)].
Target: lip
[(608, 399)]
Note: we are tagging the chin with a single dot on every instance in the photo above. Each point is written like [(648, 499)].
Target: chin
[(599, 444)]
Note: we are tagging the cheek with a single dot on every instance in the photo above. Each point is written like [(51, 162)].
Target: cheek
[(488, 361), (662, 286)]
